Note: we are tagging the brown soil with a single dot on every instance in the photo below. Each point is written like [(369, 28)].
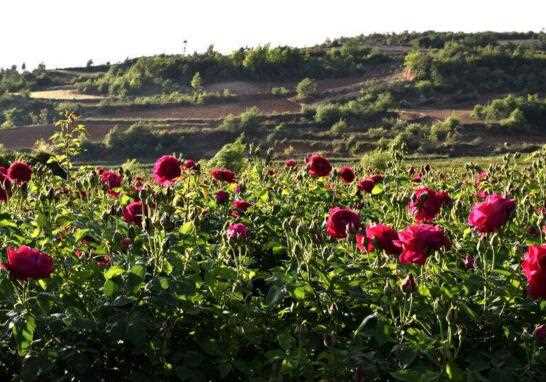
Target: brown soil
[(267, 105)]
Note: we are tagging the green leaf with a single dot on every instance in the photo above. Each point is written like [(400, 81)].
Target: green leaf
[(138, 270), (299, 293), (378, 189), (113, 271), (80, 233), (164, 283), (124, 200), (109, 288), (24, 334), (7, 223), (187, 228)]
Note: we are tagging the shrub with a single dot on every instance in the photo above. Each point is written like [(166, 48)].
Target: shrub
[(441, 131), (339, 127), (376, 160), (230, 156), (306, 88), (279, 91), (514, 111), (250, 118), (230, 123), (327, 113)]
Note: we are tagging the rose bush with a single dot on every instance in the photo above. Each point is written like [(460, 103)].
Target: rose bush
[(168, 283)]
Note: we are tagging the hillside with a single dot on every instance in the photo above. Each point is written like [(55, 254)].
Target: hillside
[(366, 92)]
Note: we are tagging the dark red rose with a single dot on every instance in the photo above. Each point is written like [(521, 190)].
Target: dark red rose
[(125, 243), (534, 270), (346, 173), (426, 203), (5, 185), (318, 166), (408, 284), (110, 179), (132, 213), (237, 231), (222, 197), (378, 236), (189, 164), (240, 204), (104, 261), (367, 184), (28, 263), (290, 163), (418, 240), (540, 334), (19, 172), (223, 175), (341, 221), (469, 262), (166, 170), (491, 214)]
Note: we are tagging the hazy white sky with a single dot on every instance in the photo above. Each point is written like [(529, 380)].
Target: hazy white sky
[(69, 32)]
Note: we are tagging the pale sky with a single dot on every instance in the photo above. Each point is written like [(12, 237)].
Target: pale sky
[(64, 33)]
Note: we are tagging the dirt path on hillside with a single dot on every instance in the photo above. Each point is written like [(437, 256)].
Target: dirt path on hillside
[(462, 114), (265, 105)]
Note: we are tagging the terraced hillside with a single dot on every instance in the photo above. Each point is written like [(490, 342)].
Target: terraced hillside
[(368, 95)]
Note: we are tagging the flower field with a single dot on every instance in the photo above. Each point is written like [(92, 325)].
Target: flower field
[(275, 271)]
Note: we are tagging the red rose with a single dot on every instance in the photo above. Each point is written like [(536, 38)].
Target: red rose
[(378, 236), (346, 173), (341, 221), (222, 197), (318, 166), (491, 214), (240, 204), (426, 203), (237, 231), (132, 213), (28, 263), (408, 284), (534, 269), (418, 240), (289, 163), (223, 175), (189, 164), (19, 172), (104, 261), (125, 243), (469, 262), (5, 185), (367, 184), (166, 170), (110, 179)]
